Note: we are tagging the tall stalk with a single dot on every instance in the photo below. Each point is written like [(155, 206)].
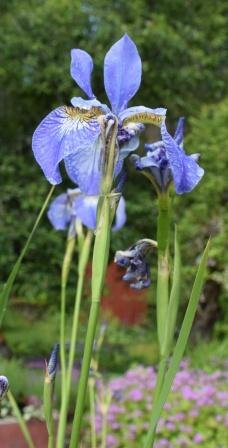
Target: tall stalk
[(162, 303), (82, 264), (99, 266), (64, 277)]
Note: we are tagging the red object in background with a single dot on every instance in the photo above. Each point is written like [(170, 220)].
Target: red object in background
[(126, 304), (12, 437)]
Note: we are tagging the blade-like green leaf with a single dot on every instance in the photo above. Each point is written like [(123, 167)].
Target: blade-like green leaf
[(4, 295), (174, 297), (180, 346)]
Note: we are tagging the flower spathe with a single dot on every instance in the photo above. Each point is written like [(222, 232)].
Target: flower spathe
[(72, 205), (166, 161), (76, 134)]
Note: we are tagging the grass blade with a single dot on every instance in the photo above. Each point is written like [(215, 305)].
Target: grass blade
[(7, 288)]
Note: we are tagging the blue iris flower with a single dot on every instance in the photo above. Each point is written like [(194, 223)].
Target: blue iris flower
[(73, 205), (76, 134), (166, 161), (136, 260)]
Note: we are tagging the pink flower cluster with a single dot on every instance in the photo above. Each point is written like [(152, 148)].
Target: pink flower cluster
[(194, 415)]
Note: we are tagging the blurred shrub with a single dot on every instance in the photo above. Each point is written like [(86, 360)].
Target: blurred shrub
[(182, 46)]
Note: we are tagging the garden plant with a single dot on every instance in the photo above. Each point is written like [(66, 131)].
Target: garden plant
[(92, 141)]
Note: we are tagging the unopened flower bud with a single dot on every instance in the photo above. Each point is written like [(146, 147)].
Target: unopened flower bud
[(52, 364), (4, 386)]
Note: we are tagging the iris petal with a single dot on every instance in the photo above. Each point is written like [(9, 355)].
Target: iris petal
[(179, 133), (86, 209), (59, 214), (64, 131), (141, 114), (185, 170), (121, 216), (81, 69), (84, 167), (122, 73)]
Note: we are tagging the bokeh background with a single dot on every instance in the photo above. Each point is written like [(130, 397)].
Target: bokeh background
[(183, 46)]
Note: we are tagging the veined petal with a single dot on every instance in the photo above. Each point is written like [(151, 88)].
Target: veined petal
[(84, 167), (86, 209), (81, 69), (179, 133), (122, 73), (141, 114), (61, 133), (59, 212), (185, 170), (121, 216)]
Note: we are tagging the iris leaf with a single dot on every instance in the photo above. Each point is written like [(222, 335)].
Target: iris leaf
[(7, 288), (180, 345)]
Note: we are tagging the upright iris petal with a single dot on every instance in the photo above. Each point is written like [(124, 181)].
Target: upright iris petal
[(81, 70), (179, 132), (122, 73)]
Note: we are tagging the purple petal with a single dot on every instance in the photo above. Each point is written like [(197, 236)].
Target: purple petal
[(81, 69), (179, 133), (85, 169), (64, 131), (86, 209), (122, 73), (59, 214), (141, 114), (121, 216), (185, 170)]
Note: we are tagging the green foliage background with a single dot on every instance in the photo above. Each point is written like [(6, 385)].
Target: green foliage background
[(183, 48)]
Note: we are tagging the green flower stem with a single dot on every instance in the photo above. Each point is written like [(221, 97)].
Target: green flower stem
[(163, 229), (82, 264), (163, 267), (6, 291), (48, 408), (21, 421), (70, 245), (92, 412), (105, 408), (100, 260)]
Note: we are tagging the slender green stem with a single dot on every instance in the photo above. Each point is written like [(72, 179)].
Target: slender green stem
[(83, 261), (92, 413), (163, 229), (84, 374), (100, 261), (64, 277), (21, 421), (48, 410), (5, 293), (104, 429), (163, 267)]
